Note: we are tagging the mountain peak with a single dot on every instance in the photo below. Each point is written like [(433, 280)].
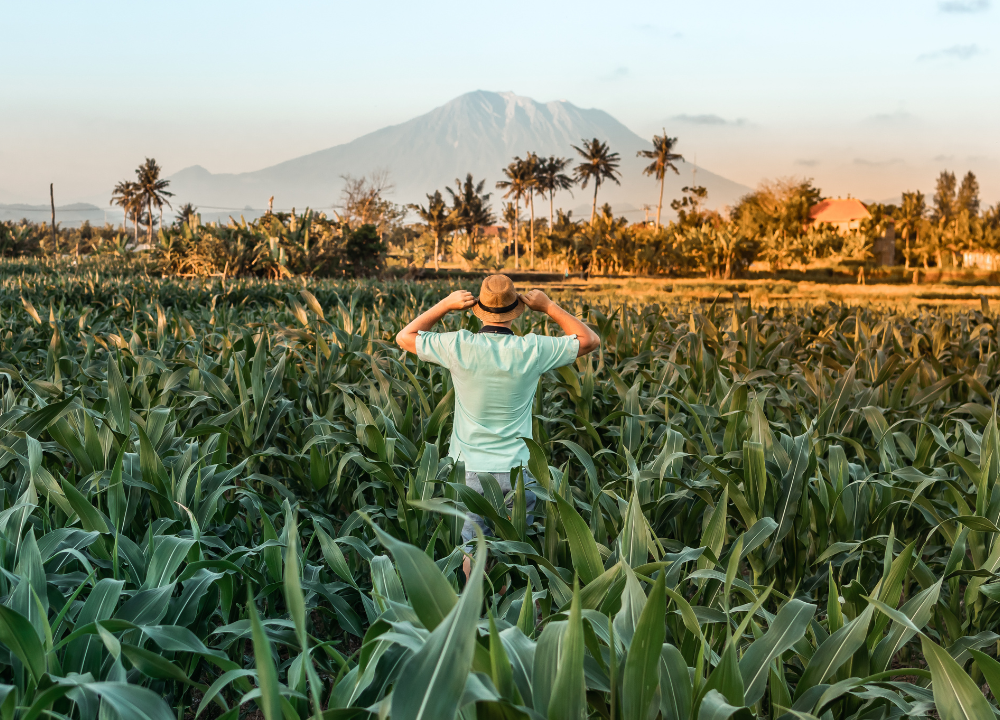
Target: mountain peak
[(478, 132)]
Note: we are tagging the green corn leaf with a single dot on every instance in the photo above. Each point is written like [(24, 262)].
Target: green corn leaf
[(787, 628), (634, 539), (118, 397), (569, 691), (90, 518), (675, 684), (294, 600), (990, 669), (641, 676), (153, 665), (714, 707), (787, 499), (132, 701), (526, 617), (430, 593), (538, 464), (21, 639), (432, 681), (633, 601), (586, 558), (956, 696), (500, 667), (267, 673), (835, 651), (917, 611), (117, 504), (334, 556), (170, 551), (714, 536)]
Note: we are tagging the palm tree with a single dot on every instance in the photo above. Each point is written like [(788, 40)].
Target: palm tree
[(470, 206), (532, 164), (663, 157), (599, 164), (152, 191), (550, 178), (438, 219), (187, 214), (126, 196), (511, 216), (518, 183), (911, 215)]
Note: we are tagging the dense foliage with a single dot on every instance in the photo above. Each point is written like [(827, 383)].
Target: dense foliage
[(275, 245), (221, 494)]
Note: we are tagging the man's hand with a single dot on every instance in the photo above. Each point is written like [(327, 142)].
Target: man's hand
[(459, 300), (536, 300)]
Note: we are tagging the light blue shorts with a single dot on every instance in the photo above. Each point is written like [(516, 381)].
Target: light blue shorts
[(503, 479)]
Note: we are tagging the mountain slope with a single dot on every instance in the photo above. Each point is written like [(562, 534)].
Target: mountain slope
[(66, 215), (478, 132)]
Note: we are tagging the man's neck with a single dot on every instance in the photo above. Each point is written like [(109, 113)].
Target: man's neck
[(496, 329)]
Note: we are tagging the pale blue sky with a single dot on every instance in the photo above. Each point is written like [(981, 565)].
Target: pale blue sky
[(869, 98)]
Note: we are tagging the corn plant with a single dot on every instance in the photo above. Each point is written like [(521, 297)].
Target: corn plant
[(222, 496)]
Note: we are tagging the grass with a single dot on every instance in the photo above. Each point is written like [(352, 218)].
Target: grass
[(232, 497)]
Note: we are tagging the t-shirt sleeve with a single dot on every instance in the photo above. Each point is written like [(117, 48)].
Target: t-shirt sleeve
[(438, 348), (555, 352)]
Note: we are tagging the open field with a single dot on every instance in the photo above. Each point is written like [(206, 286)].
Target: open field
[(224, 496), (769, 292)]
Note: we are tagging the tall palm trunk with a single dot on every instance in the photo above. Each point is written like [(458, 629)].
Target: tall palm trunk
[(593, 207), (906, 253), (135, 222), (531, 230), (517, 229), (551, 221), (659, 205), (437, 245), (149, 218)]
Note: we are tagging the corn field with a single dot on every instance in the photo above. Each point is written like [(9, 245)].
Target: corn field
[(220, 499)]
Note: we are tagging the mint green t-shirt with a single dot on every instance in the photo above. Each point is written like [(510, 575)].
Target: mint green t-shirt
[(495, 377)]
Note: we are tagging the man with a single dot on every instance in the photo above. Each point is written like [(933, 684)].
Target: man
[(495, 374)]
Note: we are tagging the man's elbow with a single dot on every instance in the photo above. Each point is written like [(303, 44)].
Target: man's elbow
[(590, 343), (405, 341)]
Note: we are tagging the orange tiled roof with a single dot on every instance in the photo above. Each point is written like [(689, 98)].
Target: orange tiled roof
[(838, 210)]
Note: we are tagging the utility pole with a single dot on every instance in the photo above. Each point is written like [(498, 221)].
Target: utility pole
[(52, 202)]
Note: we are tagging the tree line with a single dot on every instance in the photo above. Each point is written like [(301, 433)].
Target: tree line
[(528, 177), (770, 224)]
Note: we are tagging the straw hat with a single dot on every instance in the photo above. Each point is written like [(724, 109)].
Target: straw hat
[(498, 301)]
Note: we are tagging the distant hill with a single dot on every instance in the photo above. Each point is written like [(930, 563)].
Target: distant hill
[(72, 215), (478, 132)]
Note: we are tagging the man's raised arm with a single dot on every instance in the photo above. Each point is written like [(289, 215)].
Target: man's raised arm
[(458, 300), (570, 324)]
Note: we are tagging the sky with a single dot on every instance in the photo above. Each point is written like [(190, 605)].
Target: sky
[(867, 98)]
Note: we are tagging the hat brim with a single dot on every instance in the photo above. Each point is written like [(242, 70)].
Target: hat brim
[(494, 317)]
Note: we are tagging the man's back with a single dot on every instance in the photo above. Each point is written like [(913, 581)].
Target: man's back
[(495, 378)]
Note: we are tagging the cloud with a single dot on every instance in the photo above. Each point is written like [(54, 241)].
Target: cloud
[(943, 158), (709, 119), (618, 73), (807, 163), (955, 52), (877, 163), (964, 6), (898, 117), (658, 32)]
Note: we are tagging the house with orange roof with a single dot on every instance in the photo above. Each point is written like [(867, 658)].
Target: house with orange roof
[(845, 214)]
